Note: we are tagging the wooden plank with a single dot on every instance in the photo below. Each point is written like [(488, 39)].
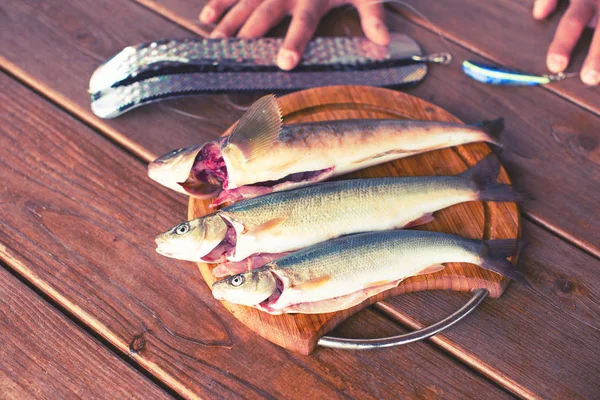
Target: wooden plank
[(505, 32), (554, 142), (44, 355), (538, 343), (78, 221), (534, 138), (547, 152)]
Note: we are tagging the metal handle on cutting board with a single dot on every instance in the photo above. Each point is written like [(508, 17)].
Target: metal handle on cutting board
[(367, 344)]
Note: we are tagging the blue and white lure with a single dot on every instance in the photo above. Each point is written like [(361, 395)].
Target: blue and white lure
[(505, 77)]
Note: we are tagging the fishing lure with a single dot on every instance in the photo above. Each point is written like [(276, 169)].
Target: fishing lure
[(492, 75), (171, 68)]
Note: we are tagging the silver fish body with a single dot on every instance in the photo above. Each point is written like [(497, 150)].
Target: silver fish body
[(326, 275), (261, 155)]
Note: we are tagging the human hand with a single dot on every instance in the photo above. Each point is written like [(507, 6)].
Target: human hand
[(254, 18), (579, 14)]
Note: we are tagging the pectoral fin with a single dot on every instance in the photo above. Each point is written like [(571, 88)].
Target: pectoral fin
[(271, 224), (258, 128), (312, 284)]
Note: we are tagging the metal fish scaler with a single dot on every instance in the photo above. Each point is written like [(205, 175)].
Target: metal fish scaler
[(164, 69), (262, 156)]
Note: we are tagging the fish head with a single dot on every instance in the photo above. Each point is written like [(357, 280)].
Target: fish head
[(250, 288), (174, 168), (193, 239)]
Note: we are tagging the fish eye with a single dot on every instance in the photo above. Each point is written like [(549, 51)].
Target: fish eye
[(237, 280), (182, 228)]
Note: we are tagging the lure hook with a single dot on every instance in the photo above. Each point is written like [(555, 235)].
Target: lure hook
[(436, 58), (561, 76)]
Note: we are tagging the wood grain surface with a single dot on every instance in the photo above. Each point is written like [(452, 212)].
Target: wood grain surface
[(78, 221), (505, 32), (44, 355), (551, 153), (475, 220)]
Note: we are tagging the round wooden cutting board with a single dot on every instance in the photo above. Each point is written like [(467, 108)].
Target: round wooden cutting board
[(477, 220)]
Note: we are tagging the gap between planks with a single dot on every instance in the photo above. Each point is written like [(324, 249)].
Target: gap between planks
[(54, 297), (75, 111), (502, 381), (52, 303)]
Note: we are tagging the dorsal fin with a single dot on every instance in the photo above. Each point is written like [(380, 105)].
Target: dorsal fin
[(258, 128)]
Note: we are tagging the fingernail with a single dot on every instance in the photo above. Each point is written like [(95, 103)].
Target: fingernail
[(590, 77), (287, 59), (377, 25), (217, 35), (557, 63), (379, 33), (207, 15), (538, 7)]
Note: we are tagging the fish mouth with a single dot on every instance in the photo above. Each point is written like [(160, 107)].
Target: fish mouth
[(174, 167), (218, 293), (206, 176), (208, 252), (165, 253), (269, 302)]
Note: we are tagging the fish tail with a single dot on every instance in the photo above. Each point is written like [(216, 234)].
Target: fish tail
[(495, 258), (493, 128), (485, 174)]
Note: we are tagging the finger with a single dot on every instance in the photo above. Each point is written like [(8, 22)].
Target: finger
[(266, 16), (372, 19), (234, 19), (304, 23), (590, 72), (567, 34), (543, 8), (214, 9)]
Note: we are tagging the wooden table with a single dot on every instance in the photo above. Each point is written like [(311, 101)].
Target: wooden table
[(88, 309)]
